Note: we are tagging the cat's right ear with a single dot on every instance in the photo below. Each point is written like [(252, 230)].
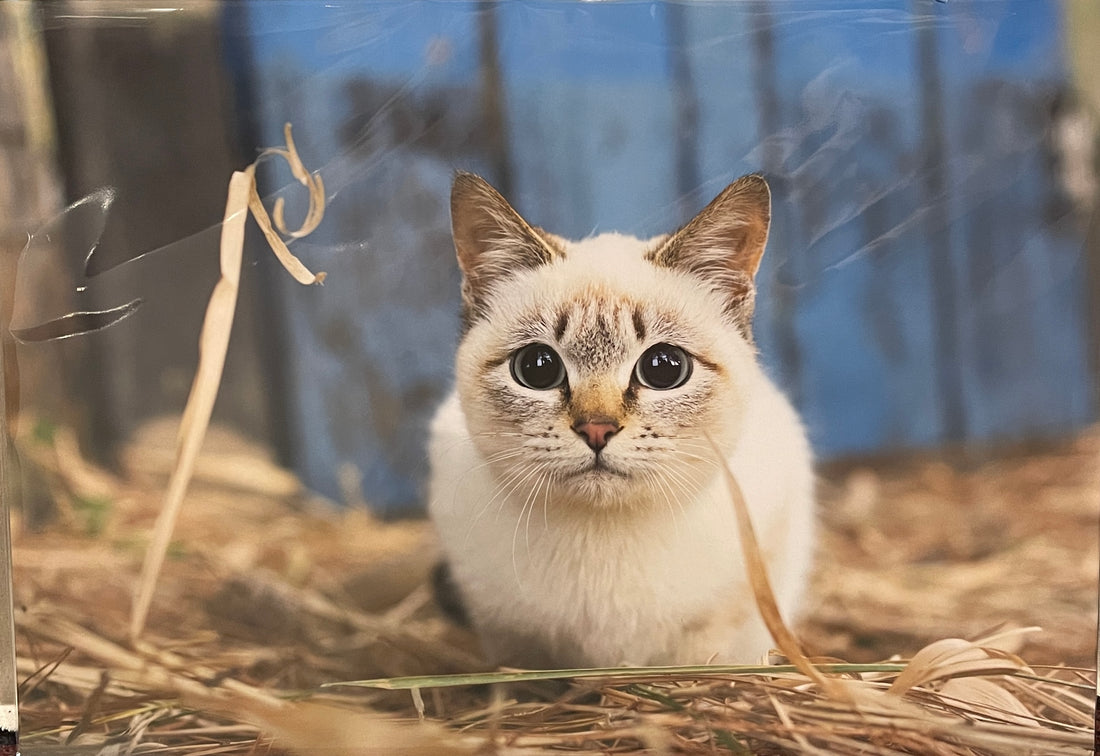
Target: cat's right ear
[(491, 239), (723, 244)]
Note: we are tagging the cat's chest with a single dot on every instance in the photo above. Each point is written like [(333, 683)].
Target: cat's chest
[(623, 564), (601, 593)]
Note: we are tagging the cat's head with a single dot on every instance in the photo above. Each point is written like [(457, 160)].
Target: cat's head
[(592, 371)]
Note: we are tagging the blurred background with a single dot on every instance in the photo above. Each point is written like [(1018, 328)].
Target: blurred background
[(932, 276)]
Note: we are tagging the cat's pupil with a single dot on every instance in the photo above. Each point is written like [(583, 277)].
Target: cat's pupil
[(663, 366), (538, 366)]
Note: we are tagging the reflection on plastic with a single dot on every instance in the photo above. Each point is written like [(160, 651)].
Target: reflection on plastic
[(75, 323), (79, 226)]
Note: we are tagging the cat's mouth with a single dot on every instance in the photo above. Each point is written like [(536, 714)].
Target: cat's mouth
[(601, 469)]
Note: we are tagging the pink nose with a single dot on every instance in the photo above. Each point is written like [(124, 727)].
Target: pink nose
[(596, 431)]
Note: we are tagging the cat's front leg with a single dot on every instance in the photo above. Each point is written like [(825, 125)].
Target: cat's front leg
[(731, 633)]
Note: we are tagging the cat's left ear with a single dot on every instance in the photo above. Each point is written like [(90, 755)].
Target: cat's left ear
[(723, 245), (492, 240)]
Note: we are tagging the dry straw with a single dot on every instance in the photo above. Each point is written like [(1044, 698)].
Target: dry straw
[(195, 685), (214, 341), (253, 621)]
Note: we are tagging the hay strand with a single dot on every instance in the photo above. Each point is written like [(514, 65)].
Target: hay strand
[(214, 344), (761, 586), (308, 728)]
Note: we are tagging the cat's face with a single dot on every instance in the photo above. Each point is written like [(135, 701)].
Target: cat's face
[(590, 373)]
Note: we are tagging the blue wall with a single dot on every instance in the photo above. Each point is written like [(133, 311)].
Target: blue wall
[(924, 279)]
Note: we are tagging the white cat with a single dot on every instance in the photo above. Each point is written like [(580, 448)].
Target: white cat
[(575, 494)]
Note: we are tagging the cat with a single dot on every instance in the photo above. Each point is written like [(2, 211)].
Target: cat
[(573, 487)]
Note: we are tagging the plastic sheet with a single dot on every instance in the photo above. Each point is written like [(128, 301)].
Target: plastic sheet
[(925, 280), (932, 276)]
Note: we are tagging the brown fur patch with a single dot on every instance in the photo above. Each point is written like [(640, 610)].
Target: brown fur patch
[(599, 398), (561, 324), (639, 323)]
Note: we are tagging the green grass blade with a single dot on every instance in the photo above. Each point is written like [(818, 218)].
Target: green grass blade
[(707, 670)]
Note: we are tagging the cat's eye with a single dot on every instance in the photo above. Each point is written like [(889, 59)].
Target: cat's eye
[(537, 366), (663, 367)]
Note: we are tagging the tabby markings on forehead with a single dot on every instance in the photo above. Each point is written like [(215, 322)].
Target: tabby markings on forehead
[(597, 338), (527, 329), (561, 325), (639, 323)]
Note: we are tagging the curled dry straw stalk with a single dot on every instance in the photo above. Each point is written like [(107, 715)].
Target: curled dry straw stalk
[(762, 590), (214, 342)]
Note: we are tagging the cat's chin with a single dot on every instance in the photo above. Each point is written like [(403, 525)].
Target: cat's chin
[(601, 486)]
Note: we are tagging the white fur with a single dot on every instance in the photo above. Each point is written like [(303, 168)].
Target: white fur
[(626, 570)]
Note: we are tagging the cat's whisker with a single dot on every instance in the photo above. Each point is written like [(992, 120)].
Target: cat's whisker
[(458, 442), (653, 479), (487, 463), (546, 500), (504, 455), (664, 474), (514, 478), (542, 480), (690, 483), (525, 509), (492, 459), (676, 482), (707, 459), (544, 485), (471, 440), (528, 504), (501, 487), (505, 434)]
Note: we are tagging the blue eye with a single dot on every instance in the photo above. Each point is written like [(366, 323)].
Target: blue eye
[(663, 367), (538, 367)]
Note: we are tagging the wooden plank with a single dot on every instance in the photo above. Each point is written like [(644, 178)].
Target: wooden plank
[(141, 108)]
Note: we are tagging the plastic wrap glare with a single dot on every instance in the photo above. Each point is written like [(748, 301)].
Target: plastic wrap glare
[(926, 279)]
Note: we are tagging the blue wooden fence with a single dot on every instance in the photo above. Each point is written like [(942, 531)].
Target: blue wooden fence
[(925, 277)]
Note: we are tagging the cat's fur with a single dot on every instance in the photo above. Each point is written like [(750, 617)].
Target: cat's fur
[(564, 562)]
